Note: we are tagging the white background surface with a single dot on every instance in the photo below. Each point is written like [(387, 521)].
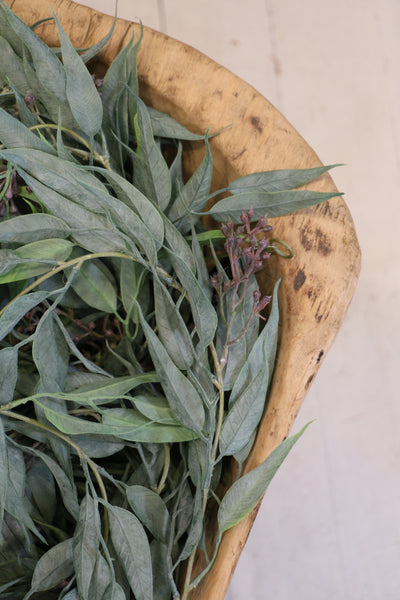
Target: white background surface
[(329, 526)]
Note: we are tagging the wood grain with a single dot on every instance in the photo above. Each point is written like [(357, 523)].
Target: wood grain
[(317, 284)]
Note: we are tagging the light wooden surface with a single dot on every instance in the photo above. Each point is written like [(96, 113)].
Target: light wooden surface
[(327, 260)]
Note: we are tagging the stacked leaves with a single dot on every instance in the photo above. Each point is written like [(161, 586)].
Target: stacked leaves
[(128, 375)]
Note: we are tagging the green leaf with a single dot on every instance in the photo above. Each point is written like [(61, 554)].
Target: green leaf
[(32, 228), (132, 546), (138, 202), (49, 69), (95, 286), (33, 259), (41, 484), (8, 32), (124, 423), (178, 244), (101, 579), (194, 195), (248, 395), (164, 126), (50, 353), (3, 471), (66, 487), (86, 544), (272, 204), (159, 559), (16, 503), (130, 425), (247, 491), (83, 97), (150, 509), (171, 327), (53, 568), (204, 314), (276, 181), (155, 408), (116, 106), (11, 68), (195, 529), (91, 231), (151, 173), (181, 394), (109, 389), (238, 352), (244, 415), (8, 373), (263, 352), (14, 134)]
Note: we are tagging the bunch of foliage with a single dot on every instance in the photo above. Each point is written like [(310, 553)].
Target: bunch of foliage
[(133, 360)]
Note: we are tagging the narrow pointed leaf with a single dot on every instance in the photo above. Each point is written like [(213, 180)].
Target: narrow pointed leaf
[(151, 173), (272, 204), (33, 259), (182, 396), (204, 314), (276, 181), (14, 134), (194, 195), (32, 228), (3, 472), (171, 328), (86, 544), (8, 373), (83, 97), (247, 491), (165, 126), (48, 67)]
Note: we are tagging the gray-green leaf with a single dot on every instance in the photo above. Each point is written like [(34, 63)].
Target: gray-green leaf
[(86, 544), (150, 509), (272, 204), (83, 97), (247, 491), (8, 373), (276, 181), (54, 567), (132, 546)]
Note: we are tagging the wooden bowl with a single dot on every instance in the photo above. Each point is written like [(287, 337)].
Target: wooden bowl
[(317, 284)]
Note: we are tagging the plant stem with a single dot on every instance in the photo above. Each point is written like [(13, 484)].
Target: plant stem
[(221, 401), (104, 161), (164, 474)]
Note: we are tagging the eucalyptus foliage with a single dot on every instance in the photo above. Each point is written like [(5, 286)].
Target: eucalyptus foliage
[(133, 362)]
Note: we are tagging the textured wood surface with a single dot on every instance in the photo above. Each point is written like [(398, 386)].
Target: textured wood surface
[(317, 284)]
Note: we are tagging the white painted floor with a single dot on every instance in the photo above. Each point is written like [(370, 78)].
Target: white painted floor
[(329, 527)]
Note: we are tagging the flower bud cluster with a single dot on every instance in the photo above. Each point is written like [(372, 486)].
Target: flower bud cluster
[(247, 254)]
